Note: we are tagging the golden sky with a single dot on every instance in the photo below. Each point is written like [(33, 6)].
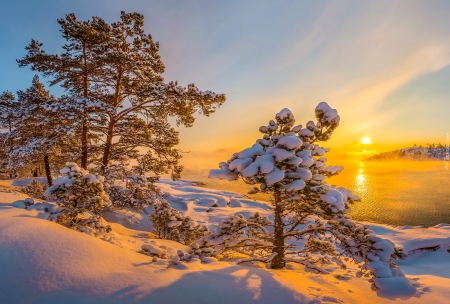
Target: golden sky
[(384, 65)]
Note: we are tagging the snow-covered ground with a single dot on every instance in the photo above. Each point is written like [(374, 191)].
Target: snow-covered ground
[(43, 262)]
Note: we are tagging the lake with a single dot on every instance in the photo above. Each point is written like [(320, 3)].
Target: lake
[(414, 193)]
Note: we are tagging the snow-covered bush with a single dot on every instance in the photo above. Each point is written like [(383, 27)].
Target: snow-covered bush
[(170, 224), (90, 225), (129, 189), (235, 235), (34, 189), (137, 193), (76, 192), (310, 218), (154, 251)]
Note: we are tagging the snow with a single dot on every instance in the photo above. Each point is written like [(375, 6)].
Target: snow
[(306, 132), (390, 288), (264, 163), (153, 250), (303, 173), (285, 113), (330, 115), (224, 173), (240, 164), (254, 150), (306, 157), (282, 154), (297, 128), (275, 176), (290, 142), (43, 262), (295, 185)]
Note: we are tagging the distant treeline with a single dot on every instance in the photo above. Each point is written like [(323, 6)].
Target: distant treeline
[(430, 152)]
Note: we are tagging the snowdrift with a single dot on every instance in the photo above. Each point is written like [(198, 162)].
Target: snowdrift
[(43, 262)]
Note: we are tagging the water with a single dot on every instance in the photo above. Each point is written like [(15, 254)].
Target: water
[(395, 193)]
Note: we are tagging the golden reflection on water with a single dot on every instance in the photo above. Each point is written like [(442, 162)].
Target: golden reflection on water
[(396, 193), (360, 180)]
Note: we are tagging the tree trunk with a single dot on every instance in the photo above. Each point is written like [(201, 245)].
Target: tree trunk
[(35, 172), (108, 144), (84, 145), (278, 261), (84, 132), (47, 170)]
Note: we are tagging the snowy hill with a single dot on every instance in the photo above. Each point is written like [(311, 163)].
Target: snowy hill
[(43, 262), (431, 152)]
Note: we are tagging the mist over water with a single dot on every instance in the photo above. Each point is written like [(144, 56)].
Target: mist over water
[(414, 193)]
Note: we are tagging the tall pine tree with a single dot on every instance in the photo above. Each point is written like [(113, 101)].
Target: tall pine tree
[(40, 135), (115, 71), (77, 69)]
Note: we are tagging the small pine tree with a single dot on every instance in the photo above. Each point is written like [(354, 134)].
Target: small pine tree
[(129, 189), (310, 218), (76, 192), (170, 224), (34, 189)]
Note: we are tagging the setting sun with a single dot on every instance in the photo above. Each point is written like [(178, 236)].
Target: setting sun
[(366, 141)]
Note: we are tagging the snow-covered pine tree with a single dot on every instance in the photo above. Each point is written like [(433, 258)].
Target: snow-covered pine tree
[(136, 192), (134, 60), (169, 223), (3, 155), (310, 218), (133, 71), (39, 136), (77, 69), (8, 104), (34, 189), (76, 192), (118, 64), (157, 138)]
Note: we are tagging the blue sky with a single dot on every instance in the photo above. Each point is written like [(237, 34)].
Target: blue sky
[(383, 64)]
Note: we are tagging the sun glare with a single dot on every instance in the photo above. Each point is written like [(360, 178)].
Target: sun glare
[(366, 141)]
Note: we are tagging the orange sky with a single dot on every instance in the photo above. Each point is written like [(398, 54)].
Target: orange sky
[(384, 65)]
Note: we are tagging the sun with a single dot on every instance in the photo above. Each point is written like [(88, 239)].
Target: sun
[(366, 141)]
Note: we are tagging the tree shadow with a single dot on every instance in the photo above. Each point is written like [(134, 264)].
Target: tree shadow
[(235, 284)]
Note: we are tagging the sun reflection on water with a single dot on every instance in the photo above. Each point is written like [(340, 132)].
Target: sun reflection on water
[(395, 193), (360, 181)]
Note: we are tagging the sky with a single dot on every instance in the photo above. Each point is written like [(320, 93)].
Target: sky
[(384, 65)]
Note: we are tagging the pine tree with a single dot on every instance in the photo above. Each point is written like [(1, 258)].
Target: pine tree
[(108, 66), (310, 218), (133, 68), (76, 192), (3, 155), (34, 189), (77, 69), (40, 135), (8, 105), (170, 224)]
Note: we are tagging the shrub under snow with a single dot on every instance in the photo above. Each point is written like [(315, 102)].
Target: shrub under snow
[(170, 224), (34, 189), (310, 222), (78, 193), (129, 189)]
